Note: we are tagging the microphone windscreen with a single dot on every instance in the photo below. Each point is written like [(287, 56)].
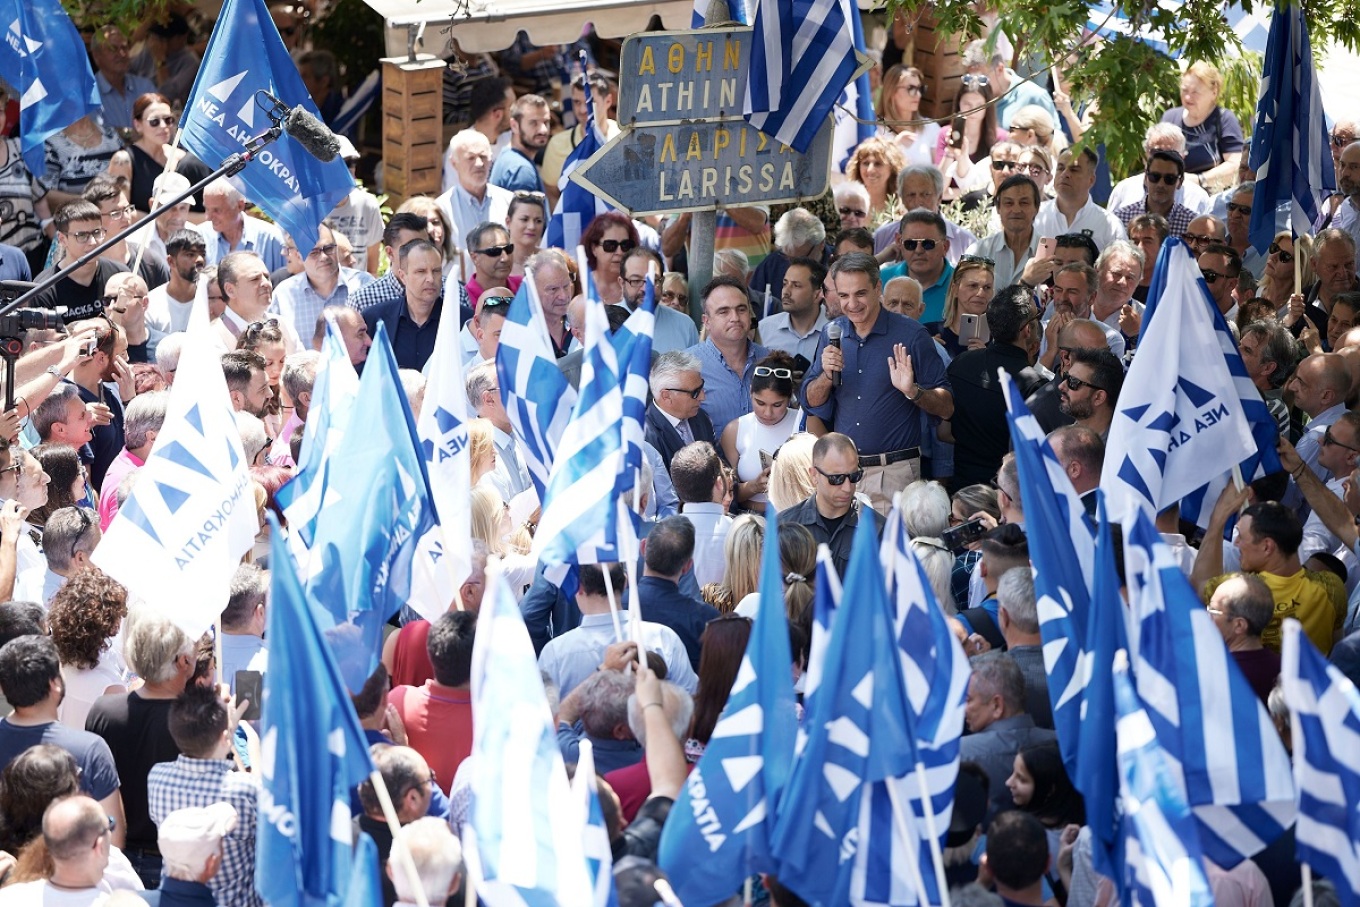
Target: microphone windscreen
[(833, 331), (313, 135)]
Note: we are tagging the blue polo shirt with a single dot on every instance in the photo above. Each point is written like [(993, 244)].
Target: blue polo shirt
[(933, 295)]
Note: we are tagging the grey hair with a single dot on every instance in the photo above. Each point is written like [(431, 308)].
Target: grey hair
[(1164, 131), (929, 171), (679, 708), (413, 385), (976, 54), (167, 352), (938, 563), (223, 187), (299, 373), (851, 189), (68, 531), (145, 414), (249, 587), (1278, 346), (1000, 676), (926, 509), (731, 261), (53, 408), (152, 642), (545, 258), (438, 859), (253, 436), (604, 702), (1240, 188), (667, 368), (463, 138), (1015, 596), (1120, 248), (480, 380), (798, 227)]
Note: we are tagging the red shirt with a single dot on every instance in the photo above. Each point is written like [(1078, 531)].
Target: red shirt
[(411, 661), (438, 723)]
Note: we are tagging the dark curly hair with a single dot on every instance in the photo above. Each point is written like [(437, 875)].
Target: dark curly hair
[(28, 785), (84, 616), (62, 465)]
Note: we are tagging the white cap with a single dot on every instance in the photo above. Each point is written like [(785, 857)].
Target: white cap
[(188, 837), (169, 185), (347, 150)]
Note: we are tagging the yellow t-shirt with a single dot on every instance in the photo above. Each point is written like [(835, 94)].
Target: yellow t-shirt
[(1317, 599)]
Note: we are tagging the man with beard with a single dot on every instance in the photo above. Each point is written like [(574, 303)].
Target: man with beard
[(30, 676), (247, 383), (674, 331), (1090, 389), (104, 379), (1347, 216), (530, 128), (170, 303)]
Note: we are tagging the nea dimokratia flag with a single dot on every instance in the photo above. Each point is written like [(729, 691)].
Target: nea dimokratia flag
[(245, 55), (180, 536)]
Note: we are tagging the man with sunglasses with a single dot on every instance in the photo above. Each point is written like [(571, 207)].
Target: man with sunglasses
[(80, 228), (1338, 455), (323, 283), (1160, 137), (923, 245), (922, 186), (486, 325), (832, 513), (889, 371), (1220, 265), (675, 417), (492, 258), (1090, 390), (1320, 386), (1008, 88), (1164, 174)]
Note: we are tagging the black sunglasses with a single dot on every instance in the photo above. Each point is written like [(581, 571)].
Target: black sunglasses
[(1005, 165), (1234, 208), (497, 302), (1170, 179), (496, 251), (977, 260), (847, 212), (1329, 438), (839, 478), (1077, 384), (693, 394), (911, 244), (1281, 254), (1211, 276), (613, 245)]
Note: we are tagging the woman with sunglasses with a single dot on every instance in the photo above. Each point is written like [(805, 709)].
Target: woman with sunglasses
[(153, 124), (23, 489), (969, 292), (876, 164), (969, 140), (607, 241), (750, 441), (899, 107), (527, 218), (1277, 283)]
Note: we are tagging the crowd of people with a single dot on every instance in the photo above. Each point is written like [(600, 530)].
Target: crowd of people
[(827, 367)]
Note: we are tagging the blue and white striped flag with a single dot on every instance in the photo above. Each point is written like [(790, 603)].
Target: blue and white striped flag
[(1290, 144), (1326, 716), (579, 524), (595, 836), (577, 205), (719, 830), (1183, 417), (736, 11), (1062, 547), (860, 730), (854, 115), (524, 825), (535, 393), (1161, 844), (802, 57), (1219, 741), (633, 347)]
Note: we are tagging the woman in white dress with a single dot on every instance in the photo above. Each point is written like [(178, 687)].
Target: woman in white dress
[(749, 443)]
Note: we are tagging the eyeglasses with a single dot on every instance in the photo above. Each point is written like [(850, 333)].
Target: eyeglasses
[(693, 394), (122, 213), (764, 371), (1340, 141), (89, 236), (1077, 384), (1195, 239), (852, 212), (1169, 179), (1004, 165), (976, 260), (495, 251), (1284, 257), (1234, 208), (85, 523), (671, 294), (1032, 169), (634, 282), (974, 80), (839, 478), (1329, 438), (911, 244), (329, 249), (155, 122), (1211, 276), (613, 245), (16, 468)]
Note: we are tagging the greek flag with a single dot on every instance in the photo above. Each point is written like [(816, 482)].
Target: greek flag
[(936, 673), (579, 524), (720, 828), (595, 837), (1062, 547), (312, 753), (246, 56), (1326, 716), (524, 825), (855, 118), (802, 58), (1220, 744), (736, 11), (1161, 843), (633, 347), (1290, 149), (367, 531), (535, 393), (1183, 414), (577, 205), (445, 556), (44, 58), (860, 730), (827, 598), (191, 517)]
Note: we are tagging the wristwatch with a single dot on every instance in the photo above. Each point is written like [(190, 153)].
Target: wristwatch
[(55, 372)]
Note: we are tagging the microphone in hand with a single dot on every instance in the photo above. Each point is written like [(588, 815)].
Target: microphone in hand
[(833, 338)]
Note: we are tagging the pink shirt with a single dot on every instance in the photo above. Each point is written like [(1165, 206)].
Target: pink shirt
[(126, 462)]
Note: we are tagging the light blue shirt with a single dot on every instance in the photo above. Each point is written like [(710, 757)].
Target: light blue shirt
[(298, 301), (1020, 94), (513, 171), (264, 239), (727, 394), (777, 333), (118, 104), (575, 655), (673, 331), (462, 213)]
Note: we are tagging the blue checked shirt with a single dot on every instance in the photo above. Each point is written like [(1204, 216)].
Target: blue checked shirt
[(298, 301), (727, 395), (190, 782), (264, 239)]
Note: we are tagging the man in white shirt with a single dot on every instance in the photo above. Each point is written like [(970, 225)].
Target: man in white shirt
[(511, 475), (1118, 270), (79, 841), (1072, 210), (696, 473), (168, 305), (472, 200)]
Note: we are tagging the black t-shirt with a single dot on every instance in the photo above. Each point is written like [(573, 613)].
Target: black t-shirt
[(81, 301), (154, 269), (106, 441), (137, 730), (145, 170)]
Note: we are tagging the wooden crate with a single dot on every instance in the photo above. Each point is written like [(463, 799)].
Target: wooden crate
[(939, 56), (413, 119)]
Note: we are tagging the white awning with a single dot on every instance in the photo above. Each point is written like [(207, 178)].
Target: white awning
[(491, 25)]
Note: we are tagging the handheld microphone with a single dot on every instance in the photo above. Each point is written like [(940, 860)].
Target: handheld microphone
[(833, 338), (312, 134)]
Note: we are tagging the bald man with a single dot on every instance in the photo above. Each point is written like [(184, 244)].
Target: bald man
[(1320, 386), (1081, 333)]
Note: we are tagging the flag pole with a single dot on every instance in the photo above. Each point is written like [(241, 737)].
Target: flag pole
[(613, 603), (900, 823), (399, 850), (928, 810), (634, 599), (169, 167), (1294, 737)]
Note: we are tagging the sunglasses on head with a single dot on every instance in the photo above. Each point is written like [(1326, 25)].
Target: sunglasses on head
[(497, 302), (1281, 254), (911, 244), (764, 371), (840, 478), (976, 260), (613, 245), (495, 251), (975, 80), (1169, 179)]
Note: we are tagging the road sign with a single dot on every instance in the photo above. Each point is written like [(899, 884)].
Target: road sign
[(656, 169), (671, 77)]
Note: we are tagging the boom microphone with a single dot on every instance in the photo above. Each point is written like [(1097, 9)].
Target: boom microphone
[(310, 133), (833, 338)]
